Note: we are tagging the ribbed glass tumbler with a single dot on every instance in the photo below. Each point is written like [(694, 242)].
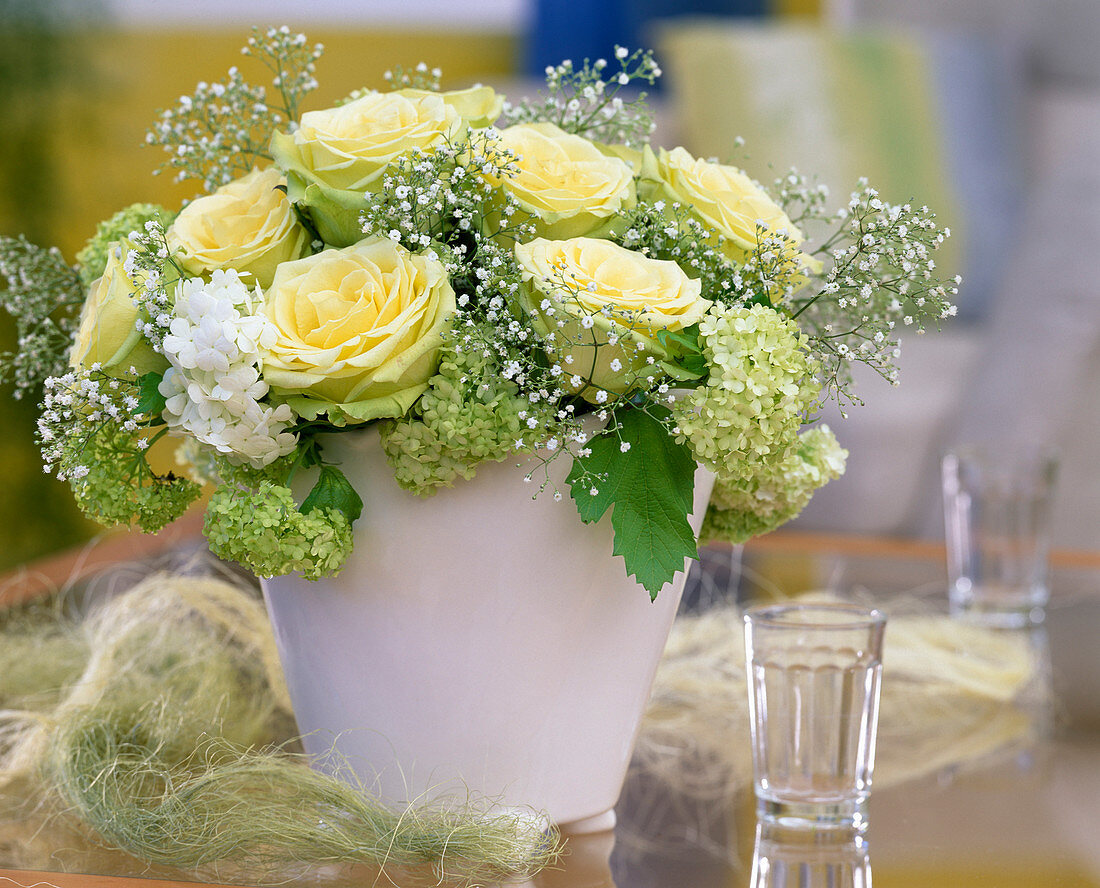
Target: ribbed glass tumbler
[(997, 510), (814, 677)]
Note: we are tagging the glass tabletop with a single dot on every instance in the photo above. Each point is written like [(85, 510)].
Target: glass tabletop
[(1019, 807)]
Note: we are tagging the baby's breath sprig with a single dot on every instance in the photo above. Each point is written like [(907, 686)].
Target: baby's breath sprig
[(41, 294), (151, 268), (801, 198), (222, 130), (450, 201), (447, 196), (93, 430), (583, 102), (774, 271), (291, 60), (420, 77), (500, 343), (882, 275)]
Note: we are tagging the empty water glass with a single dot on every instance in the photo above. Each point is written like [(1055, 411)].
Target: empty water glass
[(996, 521), (814, 678)]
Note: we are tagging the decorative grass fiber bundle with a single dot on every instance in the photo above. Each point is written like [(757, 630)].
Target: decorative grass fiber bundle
[(162, 746), (160, 722)]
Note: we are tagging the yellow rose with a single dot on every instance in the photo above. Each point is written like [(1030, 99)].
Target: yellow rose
[(478, 106), (723, 198), (248, 225), (339, 154), (359, 330), (108, 333), (613, 302), (569, 186)]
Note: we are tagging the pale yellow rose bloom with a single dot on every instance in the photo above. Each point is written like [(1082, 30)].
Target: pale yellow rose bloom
[(723, 197), (337, 155), (359, 330), (108, 333), (348, 147), (568, 185), (479, 106), (248, 225), (604, 305)]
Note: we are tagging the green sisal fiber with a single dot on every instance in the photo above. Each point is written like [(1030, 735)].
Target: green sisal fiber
[(122, 771), (161, 742)]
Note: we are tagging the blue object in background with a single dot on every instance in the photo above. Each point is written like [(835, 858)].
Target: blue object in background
[(592, 28)]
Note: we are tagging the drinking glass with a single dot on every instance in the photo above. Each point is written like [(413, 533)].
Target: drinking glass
[(996, 523), (814, 677)]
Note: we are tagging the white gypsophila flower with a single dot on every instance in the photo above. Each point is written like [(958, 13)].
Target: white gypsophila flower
[(214, 386)]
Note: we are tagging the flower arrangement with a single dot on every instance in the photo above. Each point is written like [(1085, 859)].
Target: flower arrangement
[(475, 279)]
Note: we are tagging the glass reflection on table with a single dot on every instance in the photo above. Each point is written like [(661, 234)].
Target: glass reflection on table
[(789, 858)]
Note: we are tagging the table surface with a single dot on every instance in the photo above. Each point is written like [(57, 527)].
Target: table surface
[(1027, 814)]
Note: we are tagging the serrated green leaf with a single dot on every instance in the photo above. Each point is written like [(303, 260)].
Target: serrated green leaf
[(649, 488), (333, 491), (150, 401)]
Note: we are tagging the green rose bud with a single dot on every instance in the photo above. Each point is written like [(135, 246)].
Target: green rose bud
[(108, 333)]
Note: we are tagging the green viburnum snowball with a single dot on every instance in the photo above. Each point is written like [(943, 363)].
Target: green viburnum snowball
[(469, 414), (93, 258), (115, 491), (775, 492), (263, 530), (760, 386)]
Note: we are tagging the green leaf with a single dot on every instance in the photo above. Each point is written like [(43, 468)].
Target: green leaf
[(309, 451), (685, 353), (686, 372), (333, 491), (681, 342), (650, 487), (150, 401)]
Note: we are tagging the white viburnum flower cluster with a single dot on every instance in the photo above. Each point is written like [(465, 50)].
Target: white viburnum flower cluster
[(213, 388)]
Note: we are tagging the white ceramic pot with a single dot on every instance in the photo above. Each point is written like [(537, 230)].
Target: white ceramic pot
[(479, 639)]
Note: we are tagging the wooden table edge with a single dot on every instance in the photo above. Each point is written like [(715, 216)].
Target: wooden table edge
[(40, 578), (42, 879)]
